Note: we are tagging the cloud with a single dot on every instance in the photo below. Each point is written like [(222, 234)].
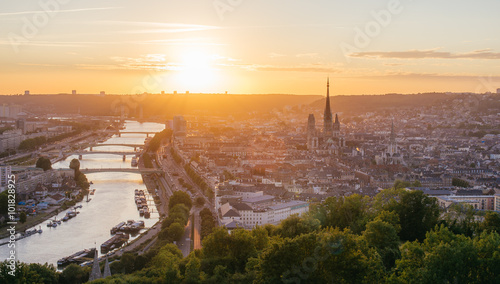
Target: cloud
[(155, 27), (431, 53), (415, 75), (155, 62), (302, 68), (42, 43), (40, 64), (298, 69), (56, 11)]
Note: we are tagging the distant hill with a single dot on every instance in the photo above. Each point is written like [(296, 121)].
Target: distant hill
[(368, 103), (153, 105), (223, 105)]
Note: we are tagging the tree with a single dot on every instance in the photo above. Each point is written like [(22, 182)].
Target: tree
[(180, 197), (460, 218), (491, 222), (343, 212), (294, 226), (175, 231), (166, 262), (22, 217), (73, 274), (442, 257), (207, 222), (83, 182), (216, 245), (329, 256), (193, 270), (200, 201), (75, 165), (29, 273), (384, 238), (418, 214), (44, 163), (241, 247), (180, 208), (460, 183)]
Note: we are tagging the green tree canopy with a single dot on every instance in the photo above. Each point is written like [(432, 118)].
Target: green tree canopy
[(180, 197), (44, 163)]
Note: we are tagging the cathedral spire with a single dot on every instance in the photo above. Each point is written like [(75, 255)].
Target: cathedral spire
[(107, 270), (327, 117), (96, 270)]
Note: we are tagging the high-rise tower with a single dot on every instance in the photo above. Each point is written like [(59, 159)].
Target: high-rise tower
[(327, 117)]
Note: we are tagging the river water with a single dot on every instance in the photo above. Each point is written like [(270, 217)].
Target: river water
[(112, 203)]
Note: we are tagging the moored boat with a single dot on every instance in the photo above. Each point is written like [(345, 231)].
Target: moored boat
[(117, 228), (78, 257)]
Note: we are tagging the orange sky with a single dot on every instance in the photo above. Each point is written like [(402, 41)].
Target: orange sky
[(366, 47)]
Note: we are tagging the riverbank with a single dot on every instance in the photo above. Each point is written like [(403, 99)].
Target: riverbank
[(146, 239), (33, 221)]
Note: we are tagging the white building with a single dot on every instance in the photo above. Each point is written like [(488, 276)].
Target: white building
[(11, 139), (481, 202), (274, 214), (5, 172)]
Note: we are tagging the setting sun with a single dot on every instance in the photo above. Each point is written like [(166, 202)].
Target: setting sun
[(196, 71)]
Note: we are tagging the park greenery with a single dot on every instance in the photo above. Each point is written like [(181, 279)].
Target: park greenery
[(32, 143), (398, 236), (208, 223), (157, 140), (176, 156), (80, 178), (460, 183), (146, 159)]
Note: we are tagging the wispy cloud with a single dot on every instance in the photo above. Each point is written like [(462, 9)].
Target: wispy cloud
[(56, 11), (416, 75), (40, 64), (300, 68), (45, 43), (155, 27), (156, 62), (431, 53)]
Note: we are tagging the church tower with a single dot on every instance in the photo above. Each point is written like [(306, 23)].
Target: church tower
[(336, 127), (393, 147), (312, 138), (327, 117)]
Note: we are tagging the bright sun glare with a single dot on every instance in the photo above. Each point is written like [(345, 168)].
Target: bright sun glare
[(196, 71)]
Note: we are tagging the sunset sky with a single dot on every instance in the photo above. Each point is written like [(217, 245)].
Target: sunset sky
[(249, 46)]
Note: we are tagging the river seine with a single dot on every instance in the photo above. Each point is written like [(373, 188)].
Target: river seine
[(112, 203)]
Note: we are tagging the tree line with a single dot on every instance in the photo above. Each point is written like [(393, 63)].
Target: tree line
[(398, 236)]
